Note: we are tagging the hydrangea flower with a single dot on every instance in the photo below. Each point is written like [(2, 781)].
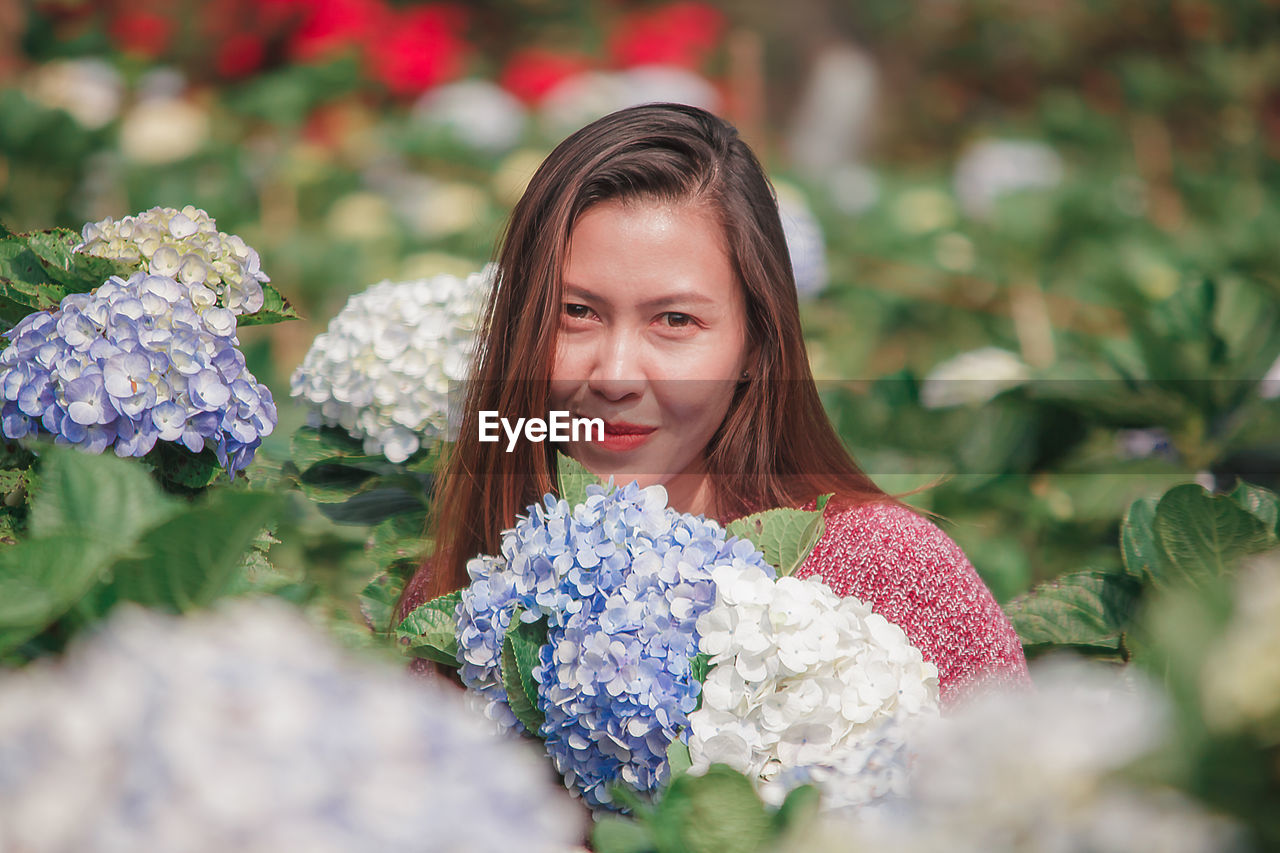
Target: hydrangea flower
[(136, 362), (185, 245), (621, 580), (382, 369), (804, 678), (973, 378), (1036, 770), (247, 729)]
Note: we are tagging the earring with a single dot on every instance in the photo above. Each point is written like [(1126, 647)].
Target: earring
[(746, 374)]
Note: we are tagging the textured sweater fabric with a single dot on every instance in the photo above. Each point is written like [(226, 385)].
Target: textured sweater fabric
[(914, 575)]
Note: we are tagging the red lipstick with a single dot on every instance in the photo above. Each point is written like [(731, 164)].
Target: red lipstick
[(620, 435)]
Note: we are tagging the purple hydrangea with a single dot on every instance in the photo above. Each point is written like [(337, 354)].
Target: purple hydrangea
[(621, 581), (133, 363)]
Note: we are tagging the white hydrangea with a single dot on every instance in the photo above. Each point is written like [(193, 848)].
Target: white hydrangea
[(972, 378), (185, 245), (805, 683), (993, 168), (247, 729), (383, 368), (1240, 680), (1035, 770)]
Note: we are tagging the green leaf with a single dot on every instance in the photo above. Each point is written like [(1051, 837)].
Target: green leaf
[(1202, 535), (519, 656), (103, 498), (678, 760), (800, 807), (1261, 503), (398, 543), (40, 579), (785, 536), (311, 446), (179, 466), (712, 813), (574, 479), (1138, 546), (38, 269), (613, 834), (1084, 609), (431, 630), (823, 500), (195, 557), (699, 666), (275, 309), (378, 601)]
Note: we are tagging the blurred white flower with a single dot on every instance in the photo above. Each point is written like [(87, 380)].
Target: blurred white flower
[(247, 729), (854, 188), (804, 684), (163, 130), (382, 370), (478, 113), (922, 210), (91, 90), (972, 378), (1270, 387), (583, 98), (1035, 771), (1241, 674), (185, 245), (360, 217), (994, 168), (805, 243)]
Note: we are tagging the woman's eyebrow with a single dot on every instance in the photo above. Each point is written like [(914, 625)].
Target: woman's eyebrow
[(681, 297)]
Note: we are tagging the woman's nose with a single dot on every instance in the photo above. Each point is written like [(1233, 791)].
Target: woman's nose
[(617, 371)]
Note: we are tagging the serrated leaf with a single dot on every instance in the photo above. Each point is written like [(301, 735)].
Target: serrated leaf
[(275, 309), (431, 630), (574, 479), (39, 268), (1138, 546), (1202, 536), (1090, 609), (520, 649), (785, 536), (193, 558), (613, 834), (179, 466)]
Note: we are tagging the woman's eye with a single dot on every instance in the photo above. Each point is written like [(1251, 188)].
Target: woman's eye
[(577, 312), (676, 320)]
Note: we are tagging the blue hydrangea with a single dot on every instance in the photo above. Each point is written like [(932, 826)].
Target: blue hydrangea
[(133, 363), (621, 580)]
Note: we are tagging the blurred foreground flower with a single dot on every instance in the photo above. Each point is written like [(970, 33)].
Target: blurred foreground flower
[(1241, 675), (994, 168), (382, 369), (219, 269), (133, 363), (246, 729), (972, 378), (1036, 771)]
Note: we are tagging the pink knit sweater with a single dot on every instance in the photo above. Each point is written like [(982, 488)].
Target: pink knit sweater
[(912, 574)]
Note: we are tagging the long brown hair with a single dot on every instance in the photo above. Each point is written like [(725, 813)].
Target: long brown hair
[(776, 446)]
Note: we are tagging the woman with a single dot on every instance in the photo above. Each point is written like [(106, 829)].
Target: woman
[(645, 281)]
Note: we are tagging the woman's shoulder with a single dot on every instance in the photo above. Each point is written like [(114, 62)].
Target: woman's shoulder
[(915, 575)]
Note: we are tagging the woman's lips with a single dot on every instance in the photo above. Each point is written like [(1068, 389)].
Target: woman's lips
[(620, 436)]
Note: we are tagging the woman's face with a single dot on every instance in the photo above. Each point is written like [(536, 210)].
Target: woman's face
[(652, 339)]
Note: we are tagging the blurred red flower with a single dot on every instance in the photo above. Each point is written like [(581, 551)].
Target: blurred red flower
[(681, 34), (144, 33), (417, 49), (530, 74), (332, 26)]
